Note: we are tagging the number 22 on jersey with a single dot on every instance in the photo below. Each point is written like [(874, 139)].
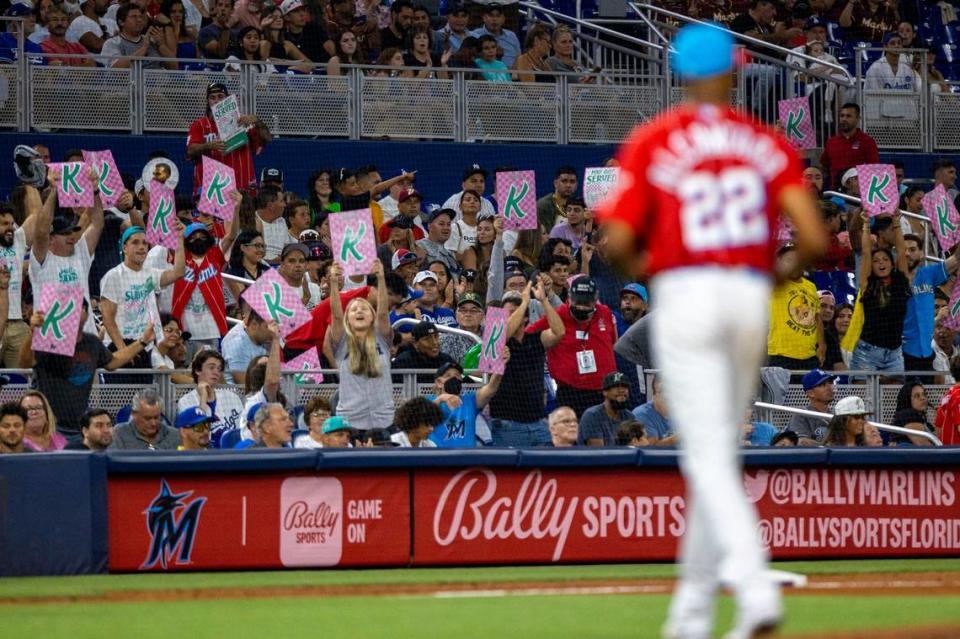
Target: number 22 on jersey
[(723, 210)]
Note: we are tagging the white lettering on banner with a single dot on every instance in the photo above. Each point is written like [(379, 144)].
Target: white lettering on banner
[(365, 509), (860, 487), (537, 512), (861, 533)]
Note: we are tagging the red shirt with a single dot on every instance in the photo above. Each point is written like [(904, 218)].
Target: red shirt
[(947, 420), (241, 160), (841, 153), (596, 335), (701, 185), (71, 48), (313, 332)]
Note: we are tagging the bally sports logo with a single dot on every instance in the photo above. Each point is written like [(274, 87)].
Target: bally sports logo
[(311, 521)]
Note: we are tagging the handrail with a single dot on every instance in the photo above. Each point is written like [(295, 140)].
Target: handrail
[(533, 6), (848, 79), (886, 427)]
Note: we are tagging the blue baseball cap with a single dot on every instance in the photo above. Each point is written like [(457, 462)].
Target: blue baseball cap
[(637, 289), (702, 51), (816, 377), (193, 228), (18, 10), (191, 417), (253, 411), (335, 423)]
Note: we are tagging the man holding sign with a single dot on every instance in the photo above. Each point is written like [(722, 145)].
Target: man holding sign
[(204, 139)]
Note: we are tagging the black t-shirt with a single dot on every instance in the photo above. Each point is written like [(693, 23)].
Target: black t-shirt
[(106, 255), (884, 308), (412, 358), (520, 397), (310, 42), (410, 61), (66, 381), (388, 39)]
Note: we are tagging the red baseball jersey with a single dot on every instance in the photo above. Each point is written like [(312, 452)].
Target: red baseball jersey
[(700, 185), (241, 160), (947, 420)]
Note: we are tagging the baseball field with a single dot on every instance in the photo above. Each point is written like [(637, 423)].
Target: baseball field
[(876, 599)]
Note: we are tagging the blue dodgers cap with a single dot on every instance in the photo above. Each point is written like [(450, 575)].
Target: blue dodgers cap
[(193, 228), (191, 417), (816, 377), (335, 423), (637, 289), (702, 51)]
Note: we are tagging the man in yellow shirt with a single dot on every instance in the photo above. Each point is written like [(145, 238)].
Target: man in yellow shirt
[(795, 340)]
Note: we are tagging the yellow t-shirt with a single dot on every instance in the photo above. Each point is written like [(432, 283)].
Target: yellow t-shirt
[(794, 309)]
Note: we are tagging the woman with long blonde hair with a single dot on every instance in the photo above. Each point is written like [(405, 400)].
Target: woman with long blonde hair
[(41, 433), (360, 337)]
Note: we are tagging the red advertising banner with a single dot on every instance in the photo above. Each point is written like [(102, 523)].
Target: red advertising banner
[(486, 516), (219, 521)]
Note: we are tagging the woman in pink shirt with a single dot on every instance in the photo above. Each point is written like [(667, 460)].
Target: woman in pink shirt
[(41, 433)]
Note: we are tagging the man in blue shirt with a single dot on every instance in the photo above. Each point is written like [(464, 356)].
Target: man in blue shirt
[(919, 321), (426, 281), (653, 416), (507, 40), (460, 427), (599, 424), (8, 40)]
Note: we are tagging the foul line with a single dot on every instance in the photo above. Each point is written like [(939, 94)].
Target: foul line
[(547, 592)]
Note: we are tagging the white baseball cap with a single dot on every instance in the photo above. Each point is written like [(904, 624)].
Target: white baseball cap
[(288, 6), (425, 275), (851, 173), (852, 405)]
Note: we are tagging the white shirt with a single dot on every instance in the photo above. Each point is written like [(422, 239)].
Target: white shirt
[(12, 257), (276, 235), (134, 293), (315, 296), (81, 26), (941, 362), (306, 441), (73, 269), (228, 408), (882, 77), (453, 202), (404, 441), (160, 257), (390, 207), (462, 236), (158, 360)]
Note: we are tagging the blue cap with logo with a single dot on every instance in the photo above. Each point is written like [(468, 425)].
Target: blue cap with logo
[(191, 417), (335, 423), (702, 51), (637, 289), (816, 377)]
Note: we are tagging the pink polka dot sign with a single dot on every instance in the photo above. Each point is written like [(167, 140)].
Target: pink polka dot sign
[(62, 305), (273, 299), (306, 361), (952, 320), (219, 182), (879, 193), (517, 198), (74, 187), (108, 177), (354, 247), (494, 340), (943, 216), (797, 123), (162, 219)]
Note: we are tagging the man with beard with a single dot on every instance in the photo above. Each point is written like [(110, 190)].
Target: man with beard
[(599, 424), (424, 353), (13, 420), (194, 427), (128, 292), (849, 147), (86, 29), (438, 232), (96, 428), (60, 254), (553, 206), (293, 268), (918, 324), (633, 306), (56, 43), (14, 242)]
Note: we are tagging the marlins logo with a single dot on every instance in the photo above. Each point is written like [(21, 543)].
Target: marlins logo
[(171, 534)]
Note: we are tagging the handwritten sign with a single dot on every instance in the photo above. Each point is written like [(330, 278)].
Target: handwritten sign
[(108, 177), (494, 339), (517, 196), (62, 305), (943, 216), (273, 299), (219, 182), (74, 187), (797, 122), (162, 223), (352, 236), (225, 116), (879, 193), (597, 184), (306, 361)]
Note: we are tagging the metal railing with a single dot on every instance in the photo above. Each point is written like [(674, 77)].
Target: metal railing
[(884, 427), (896, 119)]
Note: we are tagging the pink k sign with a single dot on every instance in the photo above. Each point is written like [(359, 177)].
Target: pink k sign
[(162, 219), (952, 320), (219, 182), (517, 197), (273, 299), (879, 193), (74, 187), (108, 177), (797, 123), (354, 247), (306, 361), (62, 306), (494, 339), (943, 217)]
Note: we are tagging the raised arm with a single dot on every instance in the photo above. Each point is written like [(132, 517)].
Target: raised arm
[(386, 184), (41, 231), (901, 245), (92, 235), (552, 336), (171, 275), (383, 304), (26, 358), (32, 206), (515, 321), (488, 390), (336, 307), (866, 254), (271, 377), (227, 242)]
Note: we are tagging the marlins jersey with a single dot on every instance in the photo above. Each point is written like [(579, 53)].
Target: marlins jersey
[(700, 185)]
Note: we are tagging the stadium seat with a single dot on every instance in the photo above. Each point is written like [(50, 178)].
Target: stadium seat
[(123, 415)]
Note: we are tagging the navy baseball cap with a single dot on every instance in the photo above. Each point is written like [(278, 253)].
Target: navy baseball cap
[(192, 416), (816, 377), (813, 22), (702, 51), (615, 379)]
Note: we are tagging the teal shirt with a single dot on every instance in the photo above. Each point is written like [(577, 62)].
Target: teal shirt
[(495, 71)]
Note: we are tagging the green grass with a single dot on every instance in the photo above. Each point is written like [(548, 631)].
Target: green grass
[(97, 584), (424, 617)]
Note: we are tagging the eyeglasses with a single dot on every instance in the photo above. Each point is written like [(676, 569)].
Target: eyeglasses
[(257, 245), (172, 330), (33, 409), (320, 413), (202, 427)]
